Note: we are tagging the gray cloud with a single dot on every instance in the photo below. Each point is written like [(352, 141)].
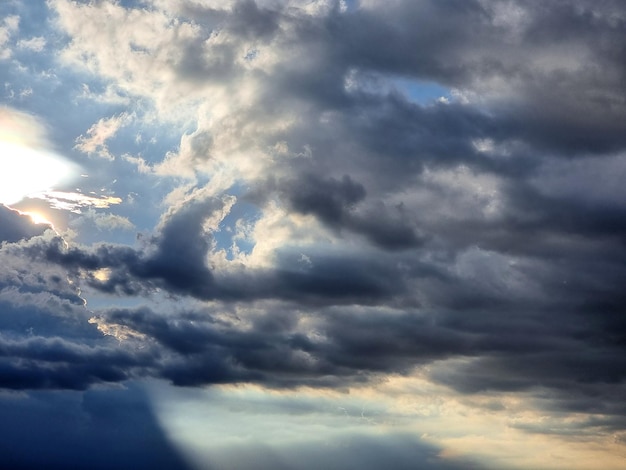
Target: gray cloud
[(480, 233), (333, 203), (15, 226)]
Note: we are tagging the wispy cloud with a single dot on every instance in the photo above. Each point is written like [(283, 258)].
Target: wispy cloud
[(74, 202), (35, 44), (10, 25), (98, 134)]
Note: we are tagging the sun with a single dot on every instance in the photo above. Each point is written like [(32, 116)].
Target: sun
[(25, 171), (27, 166), (38, 218)]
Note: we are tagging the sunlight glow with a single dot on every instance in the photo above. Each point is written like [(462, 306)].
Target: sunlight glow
[(75, 201), (25, 170), (38, 218)]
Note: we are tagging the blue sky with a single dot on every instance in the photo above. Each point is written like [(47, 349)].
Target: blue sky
[(298, 233)]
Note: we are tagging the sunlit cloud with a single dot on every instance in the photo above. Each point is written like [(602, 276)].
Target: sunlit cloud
[(75, 202), (98, 134), (8, 27), (38, 218)]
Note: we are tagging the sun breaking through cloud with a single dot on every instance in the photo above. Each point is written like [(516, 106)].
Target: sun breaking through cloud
[(27, 165)]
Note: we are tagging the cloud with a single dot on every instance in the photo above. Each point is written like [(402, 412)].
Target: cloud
[(75, 202), (178, 258), (312, 215), (9, 26), (35, 44), (16, 226), (333, 203), (112, 222), (99, 133), (456, 223)]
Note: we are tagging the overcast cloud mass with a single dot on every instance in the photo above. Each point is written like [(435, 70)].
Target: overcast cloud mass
[(295, 234)]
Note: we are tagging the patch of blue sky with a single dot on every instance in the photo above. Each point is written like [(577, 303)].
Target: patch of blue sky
[(243, 211), (350, 5), (97, 300), (132, 3), (138, 139), (30, 41), (34, 16), (36, 90), (421, 92), (34, 83), (141, 201)]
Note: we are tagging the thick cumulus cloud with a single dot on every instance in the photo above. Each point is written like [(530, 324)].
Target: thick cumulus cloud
[(15, 226), (46, 340), (333, 225)]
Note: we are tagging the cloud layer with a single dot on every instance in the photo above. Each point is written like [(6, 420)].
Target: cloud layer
[(330, 194)]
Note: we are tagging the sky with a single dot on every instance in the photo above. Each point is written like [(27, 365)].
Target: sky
[(301, 234)]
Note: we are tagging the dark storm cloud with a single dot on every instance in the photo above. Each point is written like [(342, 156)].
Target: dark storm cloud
[(462, 43), (328, 199), (333, 203), (548, 108), (15, 226), (178, 257), (182, 247), (46, 341), (351, 348), (177, 260), (570, 109), (25, 282), (69, 377), (525, 297), (542, 112), (34, 362), (534, 224), (341, 279), (353, 345)]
